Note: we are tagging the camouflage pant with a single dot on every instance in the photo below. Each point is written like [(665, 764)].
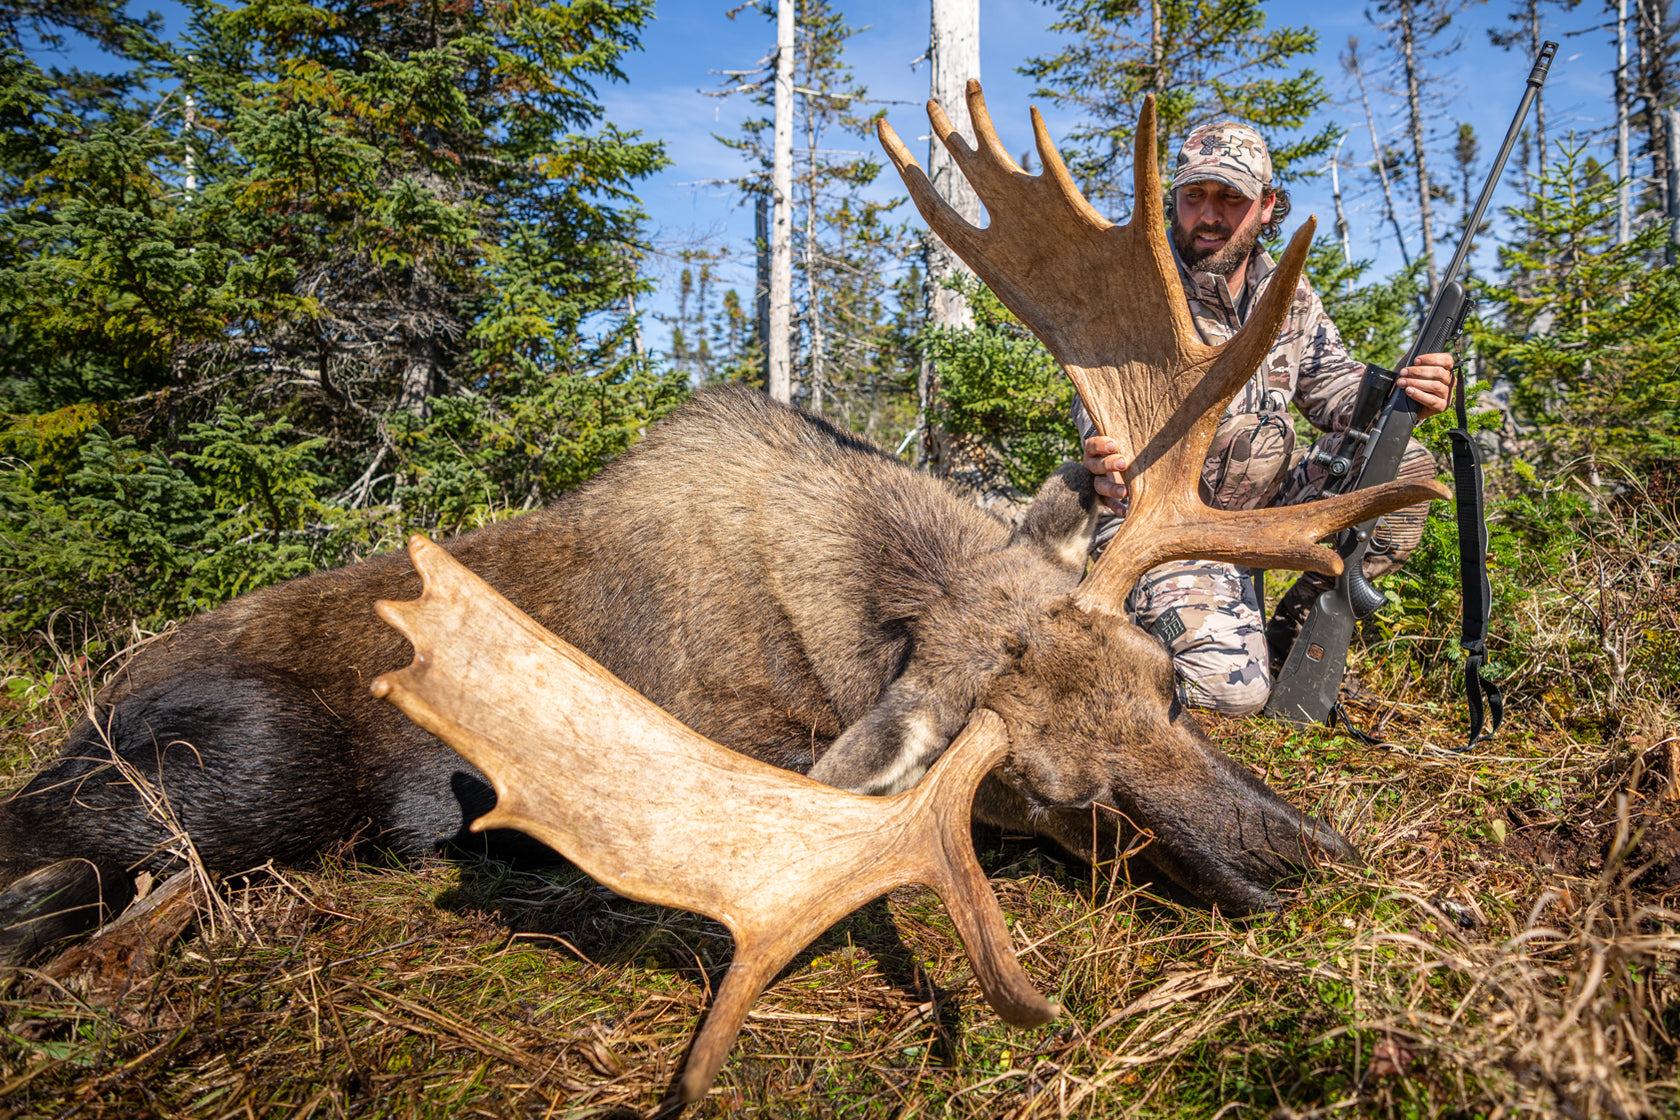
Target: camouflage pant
[(1207, 613)]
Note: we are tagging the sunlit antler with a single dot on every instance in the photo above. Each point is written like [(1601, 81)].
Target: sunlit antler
[(1106, 301), (659, 813)]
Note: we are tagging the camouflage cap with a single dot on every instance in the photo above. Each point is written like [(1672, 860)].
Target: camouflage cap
[(1227, 152)]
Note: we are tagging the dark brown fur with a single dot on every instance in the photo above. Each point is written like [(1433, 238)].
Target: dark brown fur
[(781, 586)]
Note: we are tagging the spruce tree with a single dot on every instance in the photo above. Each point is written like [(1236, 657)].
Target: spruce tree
[(381, 256), (1590, 346), (1200, 58)]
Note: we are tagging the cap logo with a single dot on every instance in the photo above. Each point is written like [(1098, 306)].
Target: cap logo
[(1228, 152)]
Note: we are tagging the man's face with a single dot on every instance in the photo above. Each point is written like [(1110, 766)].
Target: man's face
[(1215, 227)]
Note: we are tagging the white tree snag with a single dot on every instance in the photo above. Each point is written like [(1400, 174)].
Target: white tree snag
[(780, 343), (659, 813), (1673, 215), (1107, 303), (954, 59), (1411, 69), (1354, 66), (1341, 215), (1624, 163), (954, 53)]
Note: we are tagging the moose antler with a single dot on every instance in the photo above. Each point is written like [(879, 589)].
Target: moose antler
[(585, 764), (1107, 302)]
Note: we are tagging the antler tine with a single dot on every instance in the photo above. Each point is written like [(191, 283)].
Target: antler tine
[(985, 134), (952, 228), (1147, 206), (1148, 221), (1056, 172), (1283, 538), (991, 170), (1243, 353), (586, 765)]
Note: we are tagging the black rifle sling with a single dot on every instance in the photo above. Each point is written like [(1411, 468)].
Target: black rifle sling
[(1473, 574), (1338, 712)]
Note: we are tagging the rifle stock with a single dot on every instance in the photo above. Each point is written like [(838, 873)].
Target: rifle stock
[(1311, 676), (1306, 686)]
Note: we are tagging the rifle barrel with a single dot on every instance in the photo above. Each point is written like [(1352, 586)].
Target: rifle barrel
[(1536, 78)]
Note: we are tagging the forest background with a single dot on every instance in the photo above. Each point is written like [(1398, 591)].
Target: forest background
[(282, 282)]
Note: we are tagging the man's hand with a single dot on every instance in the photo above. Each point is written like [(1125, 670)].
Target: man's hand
[(1102, 459), (1429, 383)]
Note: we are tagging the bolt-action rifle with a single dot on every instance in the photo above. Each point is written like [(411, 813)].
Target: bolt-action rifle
[(1369, 453)]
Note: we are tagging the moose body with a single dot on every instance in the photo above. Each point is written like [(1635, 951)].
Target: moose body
[(781, 586)]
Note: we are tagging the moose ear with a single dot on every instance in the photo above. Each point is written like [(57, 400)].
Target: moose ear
[(1062, 517), (892, 746)]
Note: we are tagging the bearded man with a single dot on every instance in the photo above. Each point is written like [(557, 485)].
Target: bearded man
[(1223, 202)]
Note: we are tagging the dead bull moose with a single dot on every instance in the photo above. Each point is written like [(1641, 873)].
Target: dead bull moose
[(783, 588)]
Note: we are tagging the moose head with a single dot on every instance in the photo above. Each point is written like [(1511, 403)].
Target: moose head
[(1088, 697)]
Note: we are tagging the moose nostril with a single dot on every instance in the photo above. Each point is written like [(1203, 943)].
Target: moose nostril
[(1323, 843)]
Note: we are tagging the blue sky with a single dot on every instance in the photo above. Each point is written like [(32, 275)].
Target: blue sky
[(690, 39), (665, 95)]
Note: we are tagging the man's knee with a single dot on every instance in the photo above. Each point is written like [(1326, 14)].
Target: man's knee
[(1231, 689), (1208, 617)]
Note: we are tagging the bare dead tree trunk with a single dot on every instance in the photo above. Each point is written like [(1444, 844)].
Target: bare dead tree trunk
[(636, 348), (1465, 153), (780, 372), (1157, 49), (1654, 119), (1341, 215), (761, 289), (1673, 117), (1405, 12), (189, 124), (1351, 62), (420, 377), (1534, 42), (955, 57), (954, 52), (1654, 88), (813, 283), (1624, 162)]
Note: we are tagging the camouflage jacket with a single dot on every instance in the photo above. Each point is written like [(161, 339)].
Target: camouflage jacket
[(1308, 364)]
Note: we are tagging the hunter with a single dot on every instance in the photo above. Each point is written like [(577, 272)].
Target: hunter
[(1222, 203)]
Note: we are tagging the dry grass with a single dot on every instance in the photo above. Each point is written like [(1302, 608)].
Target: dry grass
[(1512, 948)]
